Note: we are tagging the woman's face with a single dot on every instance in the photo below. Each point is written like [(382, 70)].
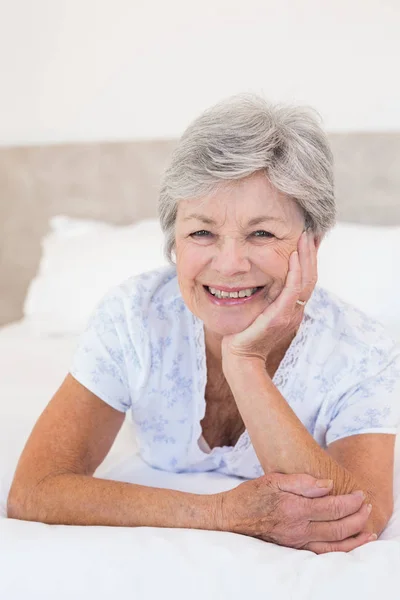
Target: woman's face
[(218, 246)]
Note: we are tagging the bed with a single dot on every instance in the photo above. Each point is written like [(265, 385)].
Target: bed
[(41, 324)]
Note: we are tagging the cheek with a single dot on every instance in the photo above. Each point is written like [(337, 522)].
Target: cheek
[(274, 261), (190, 261)]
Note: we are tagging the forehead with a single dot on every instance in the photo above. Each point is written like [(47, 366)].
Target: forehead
[(241, 200)]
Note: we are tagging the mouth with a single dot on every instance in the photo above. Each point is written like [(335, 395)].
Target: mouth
[(225, 298)]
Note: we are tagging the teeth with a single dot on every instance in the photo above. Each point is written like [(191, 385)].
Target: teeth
[(241, 294)]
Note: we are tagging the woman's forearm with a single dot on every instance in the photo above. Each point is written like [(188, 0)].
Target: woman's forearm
[(279, 438), (69, 499)]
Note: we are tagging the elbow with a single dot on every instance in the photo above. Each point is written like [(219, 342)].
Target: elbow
[(381, 520), (29, 502), (15, 506), (382, 511)]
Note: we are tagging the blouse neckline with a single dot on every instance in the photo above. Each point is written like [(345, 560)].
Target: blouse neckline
[(279, 379)]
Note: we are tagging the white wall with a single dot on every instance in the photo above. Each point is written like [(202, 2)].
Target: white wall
[(119, 69)]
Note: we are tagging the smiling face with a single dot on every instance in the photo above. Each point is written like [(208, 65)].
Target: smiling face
[(219, 244)]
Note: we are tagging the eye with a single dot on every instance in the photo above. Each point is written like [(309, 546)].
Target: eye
[(201, 233), (261, 231)]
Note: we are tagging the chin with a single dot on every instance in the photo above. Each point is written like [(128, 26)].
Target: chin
[(227, 326)]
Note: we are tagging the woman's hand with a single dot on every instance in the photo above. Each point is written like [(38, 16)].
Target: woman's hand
[(284, 315), (290, 510)]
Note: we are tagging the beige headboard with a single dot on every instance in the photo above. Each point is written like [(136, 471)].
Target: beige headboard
[(118, 182)]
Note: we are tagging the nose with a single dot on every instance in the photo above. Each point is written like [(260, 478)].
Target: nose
[(231, 258)]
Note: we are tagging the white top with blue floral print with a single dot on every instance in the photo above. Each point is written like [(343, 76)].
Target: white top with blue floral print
[(144, 351)]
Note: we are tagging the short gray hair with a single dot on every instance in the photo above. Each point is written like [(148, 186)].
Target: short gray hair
[(239, 136)]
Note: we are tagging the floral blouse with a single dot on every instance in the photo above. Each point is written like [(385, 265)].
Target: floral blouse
[(143, 351)]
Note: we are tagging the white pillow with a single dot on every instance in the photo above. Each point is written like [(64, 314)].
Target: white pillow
[(81, 261), (360, 264)]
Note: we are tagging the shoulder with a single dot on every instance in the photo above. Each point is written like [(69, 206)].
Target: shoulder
[(134, 297), (115, 352), (348, 336)]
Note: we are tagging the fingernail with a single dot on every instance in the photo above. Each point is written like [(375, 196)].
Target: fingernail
[(369, 508), (372, 537), (359, 493), (324, 483)]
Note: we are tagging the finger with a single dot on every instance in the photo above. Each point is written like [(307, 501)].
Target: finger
[(313, 254), (332, 508), (343, 546), (305, 264), (302, 484), (332, 531), (308, 278), (286, 301), (292, 289)]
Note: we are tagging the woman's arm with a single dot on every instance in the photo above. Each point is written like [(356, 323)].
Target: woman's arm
[(71, 499), (54, 482), (281, 441)]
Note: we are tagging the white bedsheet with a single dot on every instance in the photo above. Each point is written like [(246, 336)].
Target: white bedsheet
[(42, 561)]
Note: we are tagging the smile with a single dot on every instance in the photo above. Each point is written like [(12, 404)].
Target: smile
[(221, 297)]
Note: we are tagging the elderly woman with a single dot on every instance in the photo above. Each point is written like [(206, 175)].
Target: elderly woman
[(230, 358)]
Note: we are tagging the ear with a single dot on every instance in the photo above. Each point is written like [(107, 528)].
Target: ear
[(318, 241)]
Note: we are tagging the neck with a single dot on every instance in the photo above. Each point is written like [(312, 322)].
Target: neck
[(213, 345)]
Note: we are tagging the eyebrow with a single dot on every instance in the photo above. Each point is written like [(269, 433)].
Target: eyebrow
[(254, 221)]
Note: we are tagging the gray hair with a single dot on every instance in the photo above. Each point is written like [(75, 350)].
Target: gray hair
[(239, 136)]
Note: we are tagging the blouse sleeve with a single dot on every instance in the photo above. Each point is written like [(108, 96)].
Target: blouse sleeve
[(372, 405), (99, 362)]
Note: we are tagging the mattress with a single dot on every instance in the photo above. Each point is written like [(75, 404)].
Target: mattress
[(42, 561)]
